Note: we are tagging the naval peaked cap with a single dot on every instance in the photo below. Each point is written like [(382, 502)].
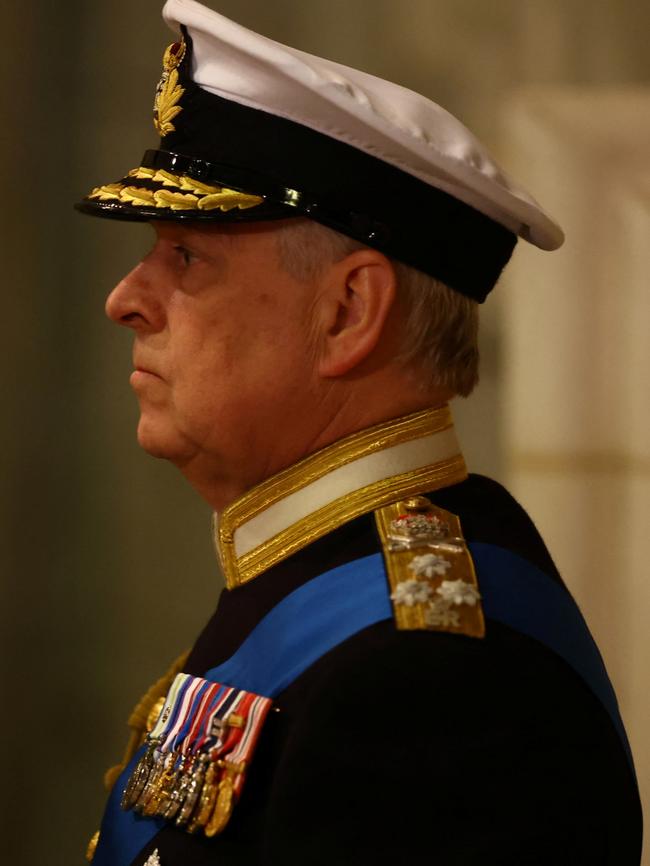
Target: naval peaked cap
[(255, 130)]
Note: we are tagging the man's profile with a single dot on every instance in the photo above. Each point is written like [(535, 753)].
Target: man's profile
[(395, 671)]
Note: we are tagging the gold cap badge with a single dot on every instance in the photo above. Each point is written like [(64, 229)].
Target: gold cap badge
[(169, 91)]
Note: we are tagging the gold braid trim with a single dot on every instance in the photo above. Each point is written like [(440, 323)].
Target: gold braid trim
[(191, 185), (166, 178), (228, 199), (137, 196), (180, 192), (142, 173), (92, 847), (175, 200), (139, 718), (109, 191)]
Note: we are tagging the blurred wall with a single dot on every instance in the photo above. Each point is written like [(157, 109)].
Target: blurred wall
[(576, 407), (107, 565)]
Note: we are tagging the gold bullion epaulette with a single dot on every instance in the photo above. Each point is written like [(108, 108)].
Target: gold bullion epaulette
[(430, 569)]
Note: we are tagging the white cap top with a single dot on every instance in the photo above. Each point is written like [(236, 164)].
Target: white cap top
[(385, 120)]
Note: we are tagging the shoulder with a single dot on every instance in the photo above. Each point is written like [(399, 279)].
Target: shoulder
[(490, 514), (426, 730), (426, 553), (391, 727), (504, 677)]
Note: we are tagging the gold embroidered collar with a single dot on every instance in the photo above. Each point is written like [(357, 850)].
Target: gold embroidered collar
[(356, 475)]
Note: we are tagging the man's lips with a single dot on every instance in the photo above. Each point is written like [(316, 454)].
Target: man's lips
[(142, 373)]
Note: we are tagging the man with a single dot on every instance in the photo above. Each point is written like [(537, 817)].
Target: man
[(395, 672)]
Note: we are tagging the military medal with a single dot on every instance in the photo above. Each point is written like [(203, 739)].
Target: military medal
[(162, 787), (223, 803), (207, 800), (174, 801), (180, 791), (193, 769), (194, 785), (139, 776)]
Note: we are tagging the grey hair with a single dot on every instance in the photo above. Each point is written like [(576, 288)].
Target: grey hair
[(440, 338)]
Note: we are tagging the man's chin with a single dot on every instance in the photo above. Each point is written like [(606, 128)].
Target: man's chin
[(161, 443)]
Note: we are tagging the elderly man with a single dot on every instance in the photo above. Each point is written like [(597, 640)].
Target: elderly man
[(395, 672)]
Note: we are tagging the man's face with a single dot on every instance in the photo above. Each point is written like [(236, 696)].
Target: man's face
[(223, 366)]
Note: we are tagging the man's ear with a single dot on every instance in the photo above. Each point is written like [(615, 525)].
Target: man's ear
[(356, 297)]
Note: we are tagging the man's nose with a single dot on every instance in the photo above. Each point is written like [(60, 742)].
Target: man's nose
[(134, 302)]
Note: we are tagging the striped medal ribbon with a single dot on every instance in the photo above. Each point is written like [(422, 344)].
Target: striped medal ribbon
[(194, 765)]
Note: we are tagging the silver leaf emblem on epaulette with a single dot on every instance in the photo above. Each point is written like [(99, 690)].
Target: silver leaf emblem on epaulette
[(458, 592), (412, 592), (441, 603), (429, 565)]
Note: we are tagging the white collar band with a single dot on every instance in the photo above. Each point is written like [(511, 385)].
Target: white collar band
[(404, 457)]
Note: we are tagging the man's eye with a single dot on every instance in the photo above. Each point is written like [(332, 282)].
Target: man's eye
[(185, 255)]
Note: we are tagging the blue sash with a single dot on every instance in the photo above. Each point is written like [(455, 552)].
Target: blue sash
[(337, 604)]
